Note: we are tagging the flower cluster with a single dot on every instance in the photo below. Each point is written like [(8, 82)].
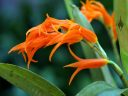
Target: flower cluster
[(53, 31), (48, 33)]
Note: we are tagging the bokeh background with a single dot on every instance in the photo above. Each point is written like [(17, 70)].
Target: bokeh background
[(17, 16)]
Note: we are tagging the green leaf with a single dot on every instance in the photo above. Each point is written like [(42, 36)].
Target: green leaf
[(121, 15), (74, 13), (68, 4), (30, 82), (80, 18), (100, 88)]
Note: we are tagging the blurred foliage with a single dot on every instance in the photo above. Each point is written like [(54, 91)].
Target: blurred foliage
[(17, 16)]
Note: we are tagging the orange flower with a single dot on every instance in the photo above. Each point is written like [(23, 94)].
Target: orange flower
[(38, 37), (85, 64), (95, 10), (31, 45), (114, 28), (48, 33), (89, 12), (75, 34)]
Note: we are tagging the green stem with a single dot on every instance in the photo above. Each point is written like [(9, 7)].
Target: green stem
[(116, 68), (119, 71), (98, 49), (117, 56)]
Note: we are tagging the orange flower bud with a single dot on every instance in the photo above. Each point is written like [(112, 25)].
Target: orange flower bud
[(85, 64)]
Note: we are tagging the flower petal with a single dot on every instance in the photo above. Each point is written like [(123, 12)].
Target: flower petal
[(85, 64), (74, 74), (53, 50)]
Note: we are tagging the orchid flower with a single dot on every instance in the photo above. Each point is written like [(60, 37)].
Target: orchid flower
[(83, 64), (95, 10), (47, 33)]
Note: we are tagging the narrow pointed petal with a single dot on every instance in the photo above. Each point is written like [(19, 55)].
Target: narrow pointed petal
[(114, 28), (86, 64), (17, 47), (73, 54), (55, 40), (54, 50), (88, 35), (24, 56), (74, 74), (33, 29), (74, 65)]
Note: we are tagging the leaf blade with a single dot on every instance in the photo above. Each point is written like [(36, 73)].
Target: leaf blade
[(100, 88), (30, 82), (122, 30), (80, 19)]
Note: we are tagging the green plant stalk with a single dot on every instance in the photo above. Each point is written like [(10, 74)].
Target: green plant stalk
[(116, 68), (117, 56), (98, 49), (121, 18), (119, 71)]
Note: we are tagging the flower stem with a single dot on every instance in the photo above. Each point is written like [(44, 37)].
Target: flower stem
[(119, 71), (98, 49)]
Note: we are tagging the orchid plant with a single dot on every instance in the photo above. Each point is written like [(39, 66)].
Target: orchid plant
[(57, 32)]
